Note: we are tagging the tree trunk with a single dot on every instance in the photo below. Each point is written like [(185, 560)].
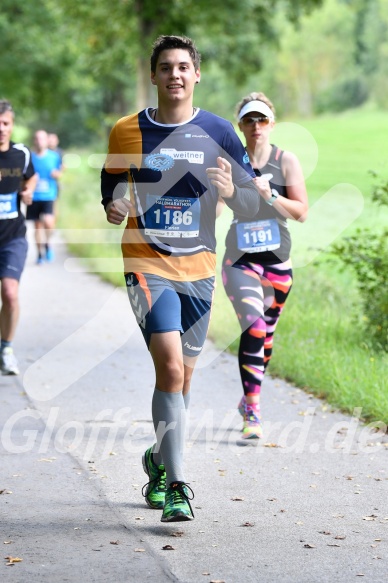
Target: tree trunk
[(145, 96)]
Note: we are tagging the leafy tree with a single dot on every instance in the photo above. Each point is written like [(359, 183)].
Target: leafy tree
[(56, 52), (33, 63)]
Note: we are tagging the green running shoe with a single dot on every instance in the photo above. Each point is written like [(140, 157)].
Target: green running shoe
[(177, 507), (154, 491)]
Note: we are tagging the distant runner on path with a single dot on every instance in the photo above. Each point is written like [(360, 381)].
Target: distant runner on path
[(17, 183), (48, 166)]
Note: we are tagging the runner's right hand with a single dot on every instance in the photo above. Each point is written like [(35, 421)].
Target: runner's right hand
[(117, 210)]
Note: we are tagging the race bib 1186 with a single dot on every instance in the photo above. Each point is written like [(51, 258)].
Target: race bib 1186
[(170, 216)]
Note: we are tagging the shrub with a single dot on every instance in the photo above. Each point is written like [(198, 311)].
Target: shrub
[(367, 253)]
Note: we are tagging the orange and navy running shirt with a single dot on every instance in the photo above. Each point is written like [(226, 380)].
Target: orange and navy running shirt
[(171, 227)]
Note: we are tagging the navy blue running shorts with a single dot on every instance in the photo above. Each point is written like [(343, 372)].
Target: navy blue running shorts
[(163, 305), (12, 258), (39, 208)]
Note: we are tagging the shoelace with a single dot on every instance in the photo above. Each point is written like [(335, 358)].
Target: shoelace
[(158, 482), (180, 494), (178, 488)]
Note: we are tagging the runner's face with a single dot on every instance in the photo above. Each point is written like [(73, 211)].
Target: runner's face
[(6, 127), (41, 141), (256, 132), (175, 75)]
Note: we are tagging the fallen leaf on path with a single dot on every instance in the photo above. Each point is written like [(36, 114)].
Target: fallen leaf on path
[(205, 573), (248, 524), (237, 498), (139, 517), (168, 548), (333, 545), (270, 444), (324, 532), (177, 533), (371, 517), (308, 546), (114, 542), (139, 550), (340, 537), (7, 542), (5, 492), (12, 560)]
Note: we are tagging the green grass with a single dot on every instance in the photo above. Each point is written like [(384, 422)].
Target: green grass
[(320, 344)]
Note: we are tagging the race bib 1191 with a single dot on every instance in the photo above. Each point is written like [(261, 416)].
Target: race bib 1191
[(258, 236)]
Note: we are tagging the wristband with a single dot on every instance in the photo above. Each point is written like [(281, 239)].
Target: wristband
[(275, 196)]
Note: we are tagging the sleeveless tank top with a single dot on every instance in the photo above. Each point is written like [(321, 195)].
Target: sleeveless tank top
[(266, 213)]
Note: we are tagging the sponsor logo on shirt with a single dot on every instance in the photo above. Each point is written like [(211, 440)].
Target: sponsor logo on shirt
[(159, 162), (196, 136), (191, 156)]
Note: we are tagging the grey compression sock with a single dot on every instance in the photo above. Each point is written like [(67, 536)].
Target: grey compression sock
[(169, 416), (156, 455)]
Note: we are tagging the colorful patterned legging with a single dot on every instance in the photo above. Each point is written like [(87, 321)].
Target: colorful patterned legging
[(258, 294)]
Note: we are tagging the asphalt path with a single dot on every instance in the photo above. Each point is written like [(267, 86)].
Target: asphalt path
[(308, 504)]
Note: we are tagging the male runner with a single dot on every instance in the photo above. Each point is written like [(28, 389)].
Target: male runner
[(48, 166), (178, 161), (17, 182)]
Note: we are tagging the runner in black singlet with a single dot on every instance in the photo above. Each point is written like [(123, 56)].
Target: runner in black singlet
[(17, 183)]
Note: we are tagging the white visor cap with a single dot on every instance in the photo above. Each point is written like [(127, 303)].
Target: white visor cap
[(258, 106)]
